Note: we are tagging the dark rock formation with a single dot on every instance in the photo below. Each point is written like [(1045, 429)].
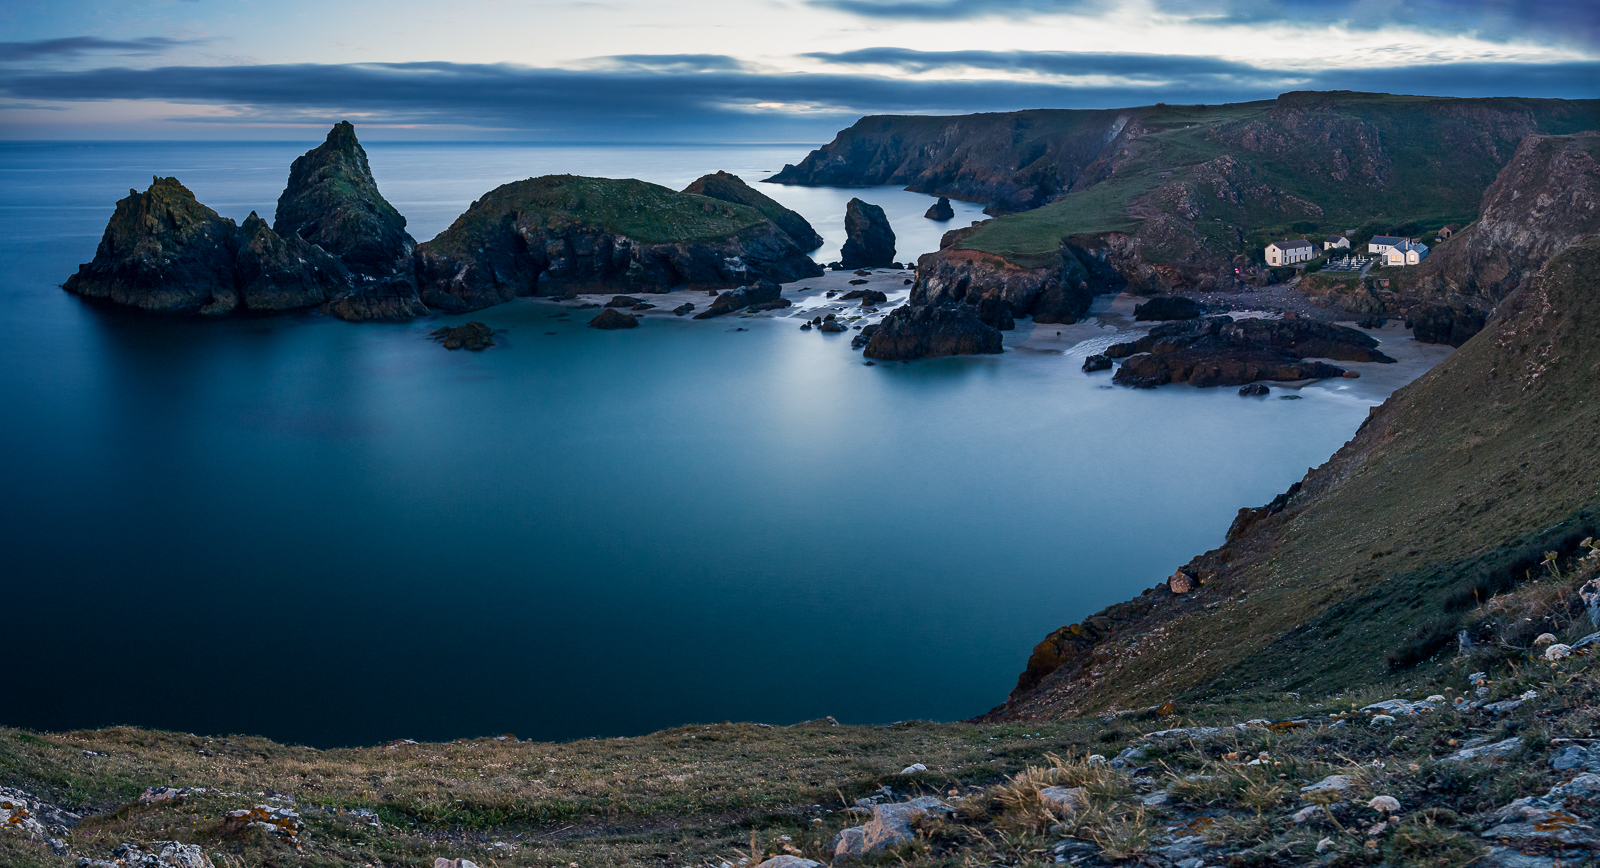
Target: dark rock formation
[(1254, 390), (623, 301), (868, 296), (741, 298), (1059, 292), (941, 210), (278, 273), (869, 242), (1097, 362), (611, 318), (1297, 337), (730, 188), (932, 330), (1451, 322), (470, 336), (1217, 351), (1168, 307), (686, 307), (561, 234), (332, 201), (163, 251)]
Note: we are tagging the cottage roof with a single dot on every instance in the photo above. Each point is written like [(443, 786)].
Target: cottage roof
[(1334, 239), (1390, 240), (1291, 245)]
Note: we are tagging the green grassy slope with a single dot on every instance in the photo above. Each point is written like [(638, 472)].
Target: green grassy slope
[(646, 212), (1450, 493), (1329, 161)]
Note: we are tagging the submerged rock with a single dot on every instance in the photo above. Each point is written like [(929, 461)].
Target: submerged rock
[(932, 330), (611, 318), (471, 336), (1097, 362), (686, 307), (869, 242), (332, 201), (732, 188), (941, 210)]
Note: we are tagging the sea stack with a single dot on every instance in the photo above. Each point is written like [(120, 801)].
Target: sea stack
[(941, 210), (869, 242), (165, 251), (332, 201)]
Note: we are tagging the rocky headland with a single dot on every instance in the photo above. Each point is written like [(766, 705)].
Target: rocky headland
[(1219, 351)]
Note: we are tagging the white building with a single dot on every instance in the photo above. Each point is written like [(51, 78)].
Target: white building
[(1333, 241), (1381, 244), (1405, 253), (1290, 252)]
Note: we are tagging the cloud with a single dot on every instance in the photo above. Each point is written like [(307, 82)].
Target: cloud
[(73, 46), (1131, 67), (1568, 20), (629, 101), (670, 62)]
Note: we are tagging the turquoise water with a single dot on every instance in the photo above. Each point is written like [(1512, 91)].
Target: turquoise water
[(335, 533)]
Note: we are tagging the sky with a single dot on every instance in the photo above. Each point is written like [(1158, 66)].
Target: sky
[(756, 70)]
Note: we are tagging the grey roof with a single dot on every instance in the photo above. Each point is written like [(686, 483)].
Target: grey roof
[(1386, 239), (1334, 239), (1292, 245)]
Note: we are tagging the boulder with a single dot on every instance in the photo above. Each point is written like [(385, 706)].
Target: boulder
[(868, 296), (932, 330), (731, 188), (163, 251), (787, 861), (611, 318), (1547, 821), (941, 210), (1168, 307), (331, 200), (1255, 390), (891, 825), (741, 298), (1064, 802), (686, 307), (1097, 362), (471, 336), (623, 301), (1451, 322), (869, 242), (160, 854)]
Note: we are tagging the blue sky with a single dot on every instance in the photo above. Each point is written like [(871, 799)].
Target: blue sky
[(759, 70)]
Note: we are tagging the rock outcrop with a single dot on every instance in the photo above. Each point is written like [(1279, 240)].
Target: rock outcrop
[(164, 251), (941, 210), (869, 242), (1217, 351), (731, 188), (332, 201), (562, 234), (763, 292), (1168, 307), (923, 331), (468, 336), (1059, 292), (1452, 321)]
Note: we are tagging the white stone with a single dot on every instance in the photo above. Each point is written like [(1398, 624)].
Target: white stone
[(1386, 804), (1558, 651), (913, 769), (1064, 802), (1334, 783)]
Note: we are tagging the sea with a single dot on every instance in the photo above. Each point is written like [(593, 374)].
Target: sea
[(339, 534)]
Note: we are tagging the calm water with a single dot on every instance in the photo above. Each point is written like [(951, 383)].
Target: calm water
[(338, 533)]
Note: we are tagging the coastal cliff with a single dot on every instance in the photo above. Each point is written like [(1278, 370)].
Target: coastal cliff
[(560, 235), (732, 188)]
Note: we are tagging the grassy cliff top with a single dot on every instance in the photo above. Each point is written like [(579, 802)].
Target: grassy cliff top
[(643, 211)]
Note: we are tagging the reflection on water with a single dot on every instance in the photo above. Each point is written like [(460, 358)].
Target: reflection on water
[(342, 533)]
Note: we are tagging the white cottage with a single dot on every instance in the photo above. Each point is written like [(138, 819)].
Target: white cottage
[(1290, 252), (1406, 253), (1381, 244), (1333, 241)]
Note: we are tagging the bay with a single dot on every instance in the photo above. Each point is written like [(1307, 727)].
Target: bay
[(334, 533)]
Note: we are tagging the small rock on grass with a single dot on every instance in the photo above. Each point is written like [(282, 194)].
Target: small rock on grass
[(442, 862), (1331, 783), (1488, 752), (1064, 802), (890, 826), (787, 861)]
